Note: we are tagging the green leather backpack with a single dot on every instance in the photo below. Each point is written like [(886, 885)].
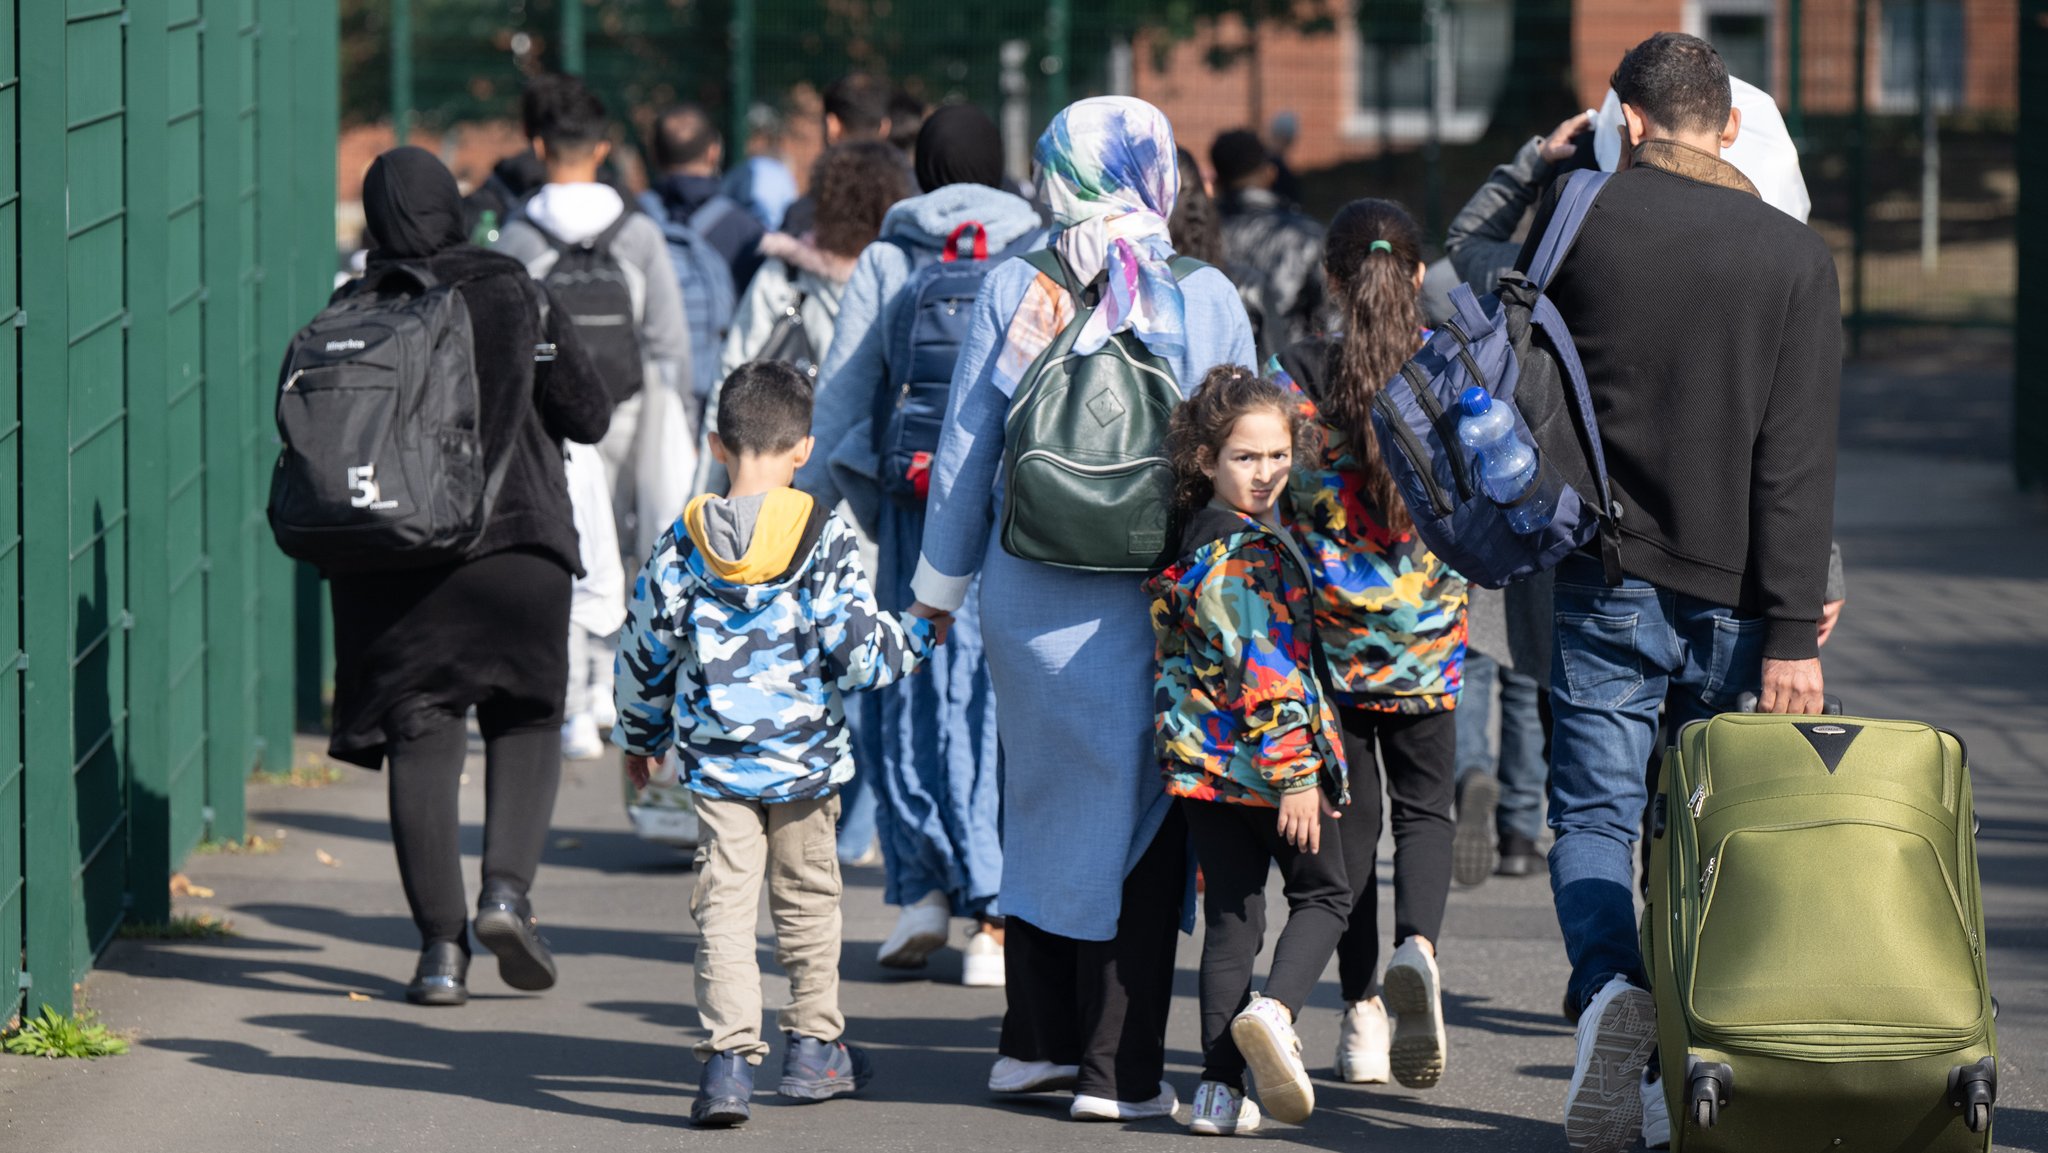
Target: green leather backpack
[(1086, 481)]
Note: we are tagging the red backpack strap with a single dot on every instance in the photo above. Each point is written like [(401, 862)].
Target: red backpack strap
[(951, 252)]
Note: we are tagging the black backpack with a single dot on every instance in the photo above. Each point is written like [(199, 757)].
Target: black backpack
[(789, 342), (378, 408), (591, 288)]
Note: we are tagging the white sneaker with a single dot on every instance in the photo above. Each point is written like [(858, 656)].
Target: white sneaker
[(1656, 1114), (580, 739), (1010, 1075), (604, 710), (1362, 1039), (1603, 1108), (1220, 1110), (1087, 1108), (1415, 996), (983, 968), (1265, 1035), (920, 932)]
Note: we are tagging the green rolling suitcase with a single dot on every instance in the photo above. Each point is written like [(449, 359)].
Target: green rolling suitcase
[(1815, 939)]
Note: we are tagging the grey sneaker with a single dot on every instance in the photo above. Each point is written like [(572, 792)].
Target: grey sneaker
[(723, 1092), (1475, 852), (814, 1070), (1603, 1106)]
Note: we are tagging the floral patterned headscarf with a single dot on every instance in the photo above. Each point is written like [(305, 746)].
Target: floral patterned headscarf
[(1111, 179)]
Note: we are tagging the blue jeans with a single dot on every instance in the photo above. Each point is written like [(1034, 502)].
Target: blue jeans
[(1619, 652), (1521, 769), (859, 799)]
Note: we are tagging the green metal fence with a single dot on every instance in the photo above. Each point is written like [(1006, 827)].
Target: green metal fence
[(166, 191)]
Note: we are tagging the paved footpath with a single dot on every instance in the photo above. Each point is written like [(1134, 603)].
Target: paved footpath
[(294, 1034)]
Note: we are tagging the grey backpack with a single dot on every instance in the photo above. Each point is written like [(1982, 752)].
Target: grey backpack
[(377, 406)]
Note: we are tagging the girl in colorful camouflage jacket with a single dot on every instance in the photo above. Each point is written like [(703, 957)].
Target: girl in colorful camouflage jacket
[(1244, 729), (1390, 620)]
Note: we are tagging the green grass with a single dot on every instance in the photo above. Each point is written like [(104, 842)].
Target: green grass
[(202, 927), (55, 1035), (249, 846), (310, 774)]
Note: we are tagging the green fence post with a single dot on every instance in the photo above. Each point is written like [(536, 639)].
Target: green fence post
[(1059, 25), (150, 862), (741, 72), (316, 103), (401, 70), (55, 931), (571, 55), (229, 396), (278, 245), (12, 891)]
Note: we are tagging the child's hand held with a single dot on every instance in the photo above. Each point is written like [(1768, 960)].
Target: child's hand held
[(639, 770)]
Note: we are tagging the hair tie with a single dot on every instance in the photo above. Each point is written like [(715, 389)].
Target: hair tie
[(1381, 246)]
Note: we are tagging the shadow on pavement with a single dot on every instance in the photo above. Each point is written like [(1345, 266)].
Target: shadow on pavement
[(519, 1070), (242, 964), (678, 947)]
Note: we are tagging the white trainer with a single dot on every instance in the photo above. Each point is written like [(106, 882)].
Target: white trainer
[(1362, 1040), (920, 932), (1010, 1075), (1603, 1107), (1221, 1111), (580, 739), (1088, 1108), (983, 968), (1415, 996), (604, 709), (1656, 1114), (1264, 1033)]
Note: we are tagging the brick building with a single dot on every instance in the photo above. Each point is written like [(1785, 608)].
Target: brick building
[(1333, 82)]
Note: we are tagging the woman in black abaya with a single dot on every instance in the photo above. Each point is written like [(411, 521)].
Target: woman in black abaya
[(416, 649)]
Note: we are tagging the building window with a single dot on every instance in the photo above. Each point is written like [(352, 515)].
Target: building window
[(1471, 55), (1744, 41), (1899, 55)]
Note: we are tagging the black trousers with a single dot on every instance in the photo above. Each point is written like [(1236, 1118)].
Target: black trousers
[(1416, 755), (522, 770), (1237, 844), (1103, 1005)]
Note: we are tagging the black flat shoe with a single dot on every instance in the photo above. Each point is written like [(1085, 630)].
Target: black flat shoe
[(506, 925), (442, 976)]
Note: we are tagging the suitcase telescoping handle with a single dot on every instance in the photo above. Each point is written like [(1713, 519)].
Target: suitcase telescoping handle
[(1830, 704)]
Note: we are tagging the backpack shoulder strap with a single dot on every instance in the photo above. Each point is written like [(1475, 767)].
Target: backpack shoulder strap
[(1186, 266), (711, 214), (1047, 261), (814, 530), (1574, 201), (602, 242)]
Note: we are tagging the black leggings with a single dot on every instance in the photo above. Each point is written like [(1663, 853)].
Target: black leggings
[(522, 768), (1237, 845), (1419, 752), (1102, 1005)]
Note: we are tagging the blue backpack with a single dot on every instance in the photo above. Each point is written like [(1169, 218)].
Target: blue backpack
[(928, 323), (1515, 345), (705, 278)]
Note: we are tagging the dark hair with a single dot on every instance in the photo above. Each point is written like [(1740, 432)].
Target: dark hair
[(683, 134), (859, 102), (906, 116), (1196, 228), (764, 407), (1370, 255), (1679, 82), (1203, 422), (854, 186), (1238, 155), (562, 112)]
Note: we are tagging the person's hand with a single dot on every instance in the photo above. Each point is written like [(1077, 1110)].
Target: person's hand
[(942, 621), (1830, 615), (1300, 823), (1559, 145), (1791, 687), (639, 770)]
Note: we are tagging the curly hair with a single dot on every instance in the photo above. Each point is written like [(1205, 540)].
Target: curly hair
[(1203, 422), (1370, 255), (1195, 226), (855, 186)]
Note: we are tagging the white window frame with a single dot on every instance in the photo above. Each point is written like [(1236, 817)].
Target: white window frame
[(1361, 121)]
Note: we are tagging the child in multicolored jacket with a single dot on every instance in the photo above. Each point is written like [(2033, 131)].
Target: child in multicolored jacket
[(1248, 741), (746, 627)]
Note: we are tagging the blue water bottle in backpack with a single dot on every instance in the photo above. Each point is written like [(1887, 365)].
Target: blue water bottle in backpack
[(1510, 474)]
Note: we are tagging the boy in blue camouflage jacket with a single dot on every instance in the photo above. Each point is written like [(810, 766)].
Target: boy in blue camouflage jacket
[(746, 627)]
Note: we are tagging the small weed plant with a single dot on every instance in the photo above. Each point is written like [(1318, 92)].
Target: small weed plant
[(54, 1034), (312, 773), (198, 927), (249, 846)]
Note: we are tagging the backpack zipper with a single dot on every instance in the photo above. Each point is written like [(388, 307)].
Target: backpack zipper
[(1698, 803), (1131, 465), (1435, 412), (1707, 874)]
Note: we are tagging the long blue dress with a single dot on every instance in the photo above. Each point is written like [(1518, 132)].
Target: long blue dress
[(1070, 652)]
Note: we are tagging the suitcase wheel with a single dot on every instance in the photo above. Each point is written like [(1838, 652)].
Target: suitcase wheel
[(1708, 1086), (1973, 1089)]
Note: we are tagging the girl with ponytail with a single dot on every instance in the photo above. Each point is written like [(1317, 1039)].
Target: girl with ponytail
[(1390, 621)]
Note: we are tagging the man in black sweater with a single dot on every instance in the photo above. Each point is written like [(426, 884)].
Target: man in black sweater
[(1709, 324)]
